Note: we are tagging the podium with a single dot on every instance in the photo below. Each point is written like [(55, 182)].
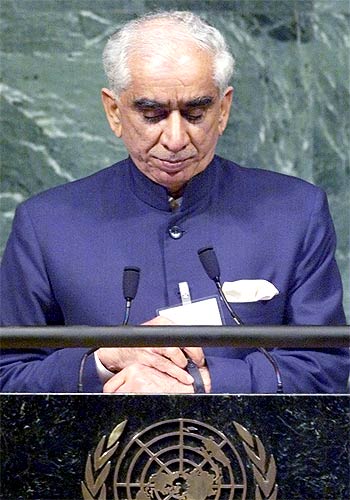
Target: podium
[(188, 447)]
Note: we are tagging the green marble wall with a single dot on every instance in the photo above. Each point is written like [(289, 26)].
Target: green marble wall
[(290, 114)]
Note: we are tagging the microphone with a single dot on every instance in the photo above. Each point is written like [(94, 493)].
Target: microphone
[(210, 263), (131, 278), (211, 266)]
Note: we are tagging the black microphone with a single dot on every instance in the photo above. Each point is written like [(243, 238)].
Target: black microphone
[(131, 278), (211, 266), (210, 263)]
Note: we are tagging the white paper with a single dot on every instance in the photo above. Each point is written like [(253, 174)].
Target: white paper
[(202, 312)]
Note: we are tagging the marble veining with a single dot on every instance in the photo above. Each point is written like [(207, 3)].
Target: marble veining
[(291, 104)]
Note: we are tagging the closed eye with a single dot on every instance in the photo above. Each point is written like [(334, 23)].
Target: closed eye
[(155, 118), (193, 117), (190, 117), (193, 111)]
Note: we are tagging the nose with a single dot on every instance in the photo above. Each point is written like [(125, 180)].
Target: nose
[(174, 136)]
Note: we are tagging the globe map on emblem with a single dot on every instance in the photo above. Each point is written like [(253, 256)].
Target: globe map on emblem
[(180, 459)]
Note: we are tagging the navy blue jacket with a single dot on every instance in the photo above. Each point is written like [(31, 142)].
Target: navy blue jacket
[(69, 245)]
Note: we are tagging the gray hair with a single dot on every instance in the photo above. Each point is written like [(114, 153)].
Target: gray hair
[(120, 44)]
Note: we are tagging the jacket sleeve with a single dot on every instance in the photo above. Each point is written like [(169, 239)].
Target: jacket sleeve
[(314, 298), (28, 299)]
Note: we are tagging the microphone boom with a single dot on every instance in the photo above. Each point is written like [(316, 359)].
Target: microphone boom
[(211, 266)]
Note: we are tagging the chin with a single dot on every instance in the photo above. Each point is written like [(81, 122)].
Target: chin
[(175, 183)]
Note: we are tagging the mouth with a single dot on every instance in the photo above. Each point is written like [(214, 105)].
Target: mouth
[(172, 165)]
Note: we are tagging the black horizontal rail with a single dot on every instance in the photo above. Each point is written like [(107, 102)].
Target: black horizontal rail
[(178, 336)]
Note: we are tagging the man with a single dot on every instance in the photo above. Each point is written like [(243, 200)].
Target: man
[(169, 100)]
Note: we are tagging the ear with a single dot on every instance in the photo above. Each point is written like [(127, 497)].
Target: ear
[(225, 107), (112, 111)]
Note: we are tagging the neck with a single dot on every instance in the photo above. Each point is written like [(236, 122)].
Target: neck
[(177, 193)]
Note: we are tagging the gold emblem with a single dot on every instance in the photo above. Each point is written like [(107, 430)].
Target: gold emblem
[(180, 459)]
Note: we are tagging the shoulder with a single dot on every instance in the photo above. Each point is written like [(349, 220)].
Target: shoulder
[(265, 186), (256, 176), (87, 190)]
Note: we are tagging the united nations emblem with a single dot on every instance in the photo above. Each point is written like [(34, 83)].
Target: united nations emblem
[(180, 459)]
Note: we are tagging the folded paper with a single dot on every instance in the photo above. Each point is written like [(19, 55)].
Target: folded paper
[(201, 312), (249, 290)]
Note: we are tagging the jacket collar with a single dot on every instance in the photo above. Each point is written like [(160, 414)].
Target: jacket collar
[(198, 189)]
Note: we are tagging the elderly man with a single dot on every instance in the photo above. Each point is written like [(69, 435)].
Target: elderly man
[(169, 100)]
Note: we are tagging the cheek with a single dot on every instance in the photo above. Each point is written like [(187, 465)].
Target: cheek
[(137, 137), (206, 134), (211, 125)]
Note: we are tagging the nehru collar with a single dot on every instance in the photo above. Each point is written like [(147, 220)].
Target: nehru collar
[(198, 189)]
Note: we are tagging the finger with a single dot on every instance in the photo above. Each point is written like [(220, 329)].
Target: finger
[(114, 383), (148, 380), (175, 354), (205, 374), (165, 365), (196, 354), (123, 389)]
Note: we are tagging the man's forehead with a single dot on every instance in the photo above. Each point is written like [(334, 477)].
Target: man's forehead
[(169, 65), (167, 82)]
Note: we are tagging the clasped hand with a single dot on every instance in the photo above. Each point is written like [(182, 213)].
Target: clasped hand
[(152, 369)]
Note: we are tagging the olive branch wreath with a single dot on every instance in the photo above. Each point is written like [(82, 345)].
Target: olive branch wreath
[(98, 467), (264, 468)]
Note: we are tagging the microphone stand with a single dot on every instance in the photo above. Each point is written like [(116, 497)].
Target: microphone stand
[(239, 322), (131, 276), (93, 349), (210, 263)]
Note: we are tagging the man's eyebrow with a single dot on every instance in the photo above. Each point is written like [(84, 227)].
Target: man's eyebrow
[(144, 103), (199, 102)]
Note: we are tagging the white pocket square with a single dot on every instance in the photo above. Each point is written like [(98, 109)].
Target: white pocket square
[(249, 290)]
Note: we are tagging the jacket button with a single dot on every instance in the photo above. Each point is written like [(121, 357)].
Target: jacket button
[(175, 232)]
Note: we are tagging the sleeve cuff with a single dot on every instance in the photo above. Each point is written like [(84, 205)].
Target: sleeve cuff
[(102, 371)]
